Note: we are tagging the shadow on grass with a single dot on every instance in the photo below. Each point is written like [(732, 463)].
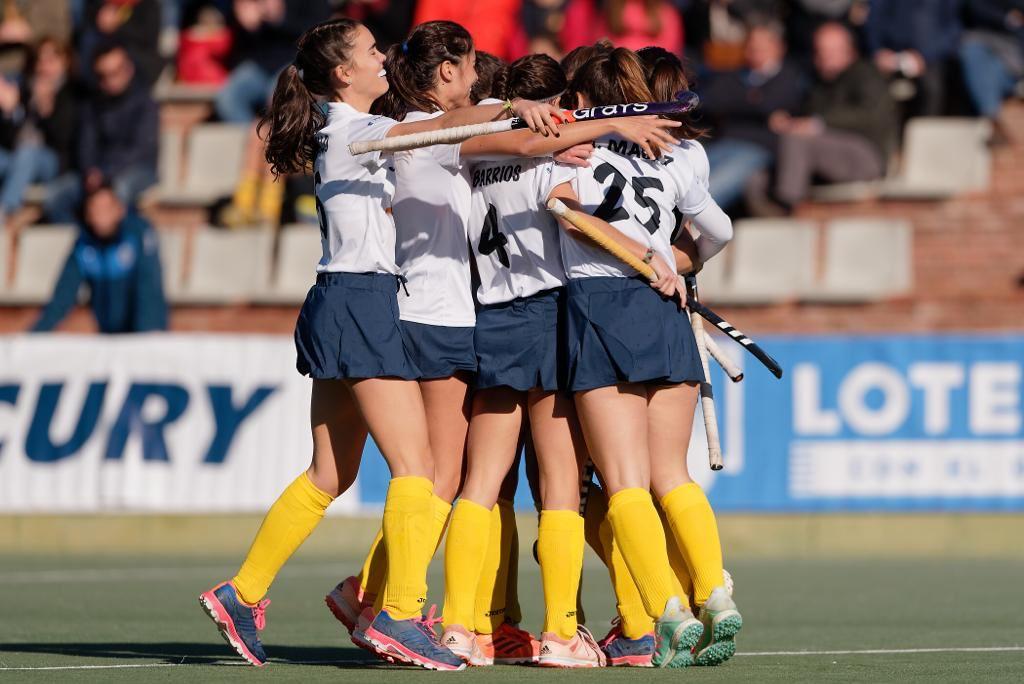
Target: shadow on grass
[(180, 653)]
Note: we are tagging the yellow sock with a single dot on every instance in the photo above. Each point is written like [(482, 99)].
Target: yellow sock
[(513, 611), (271, 200), (638, 532), (246, 193), (560, 551), (464, 554), (695, 530), (489, 611), (635, 620), (289, 521), (407, 520), (441, 511), (375, 568), (681, 573), (593, 517)]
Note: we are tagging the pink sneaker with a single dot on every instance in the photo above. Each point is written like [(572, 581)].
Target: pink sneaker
[(580, 651), (461, 642), (346, 601)]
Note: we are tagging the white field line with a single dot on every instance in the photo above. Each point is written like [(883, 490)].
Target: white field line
[(146, 574), (867, 651)]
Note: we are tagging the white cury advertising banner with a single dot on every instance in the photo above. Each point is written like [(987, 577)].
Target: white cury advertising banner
[(162, 422)]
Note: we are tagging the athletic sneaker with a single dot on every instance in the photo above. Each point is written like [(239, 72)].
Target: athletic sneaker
[(346, 601), (239, 623), (459, 641), (412, 641), (483, 650), (621, 651), (579, 651), (514, 646), (358, 636), (721, 623), (676, 632)]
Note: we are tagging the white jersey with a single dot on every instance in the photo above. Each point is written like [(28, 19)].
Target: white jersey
[(354, 194), (513, 237), (693, 153), (688, 164), (638, 196), (431, 208)]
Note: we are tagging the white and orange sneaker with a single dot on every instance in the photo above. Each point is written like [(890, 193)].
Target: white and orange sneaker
[(462, 643), (483, 652), (580, 651), (347, 601), (514, 646)]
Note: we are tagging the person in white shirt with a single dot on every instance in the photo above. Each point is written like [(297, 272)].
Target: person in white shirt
[(348, 340), (634, 369)]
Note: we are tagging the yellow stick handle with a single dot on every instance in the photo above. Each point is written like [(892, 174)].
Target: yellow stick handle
[(558, 208)]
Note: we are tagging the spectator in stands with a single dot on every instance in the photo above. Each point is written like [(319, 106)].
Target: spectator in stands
[(265, 32), (740, 104), (992, 55), (37, 127), (117, 137), (134, 24), (23, 22), (911, 43), (850, 125), (631, 24), (493, 23), (116, 257)]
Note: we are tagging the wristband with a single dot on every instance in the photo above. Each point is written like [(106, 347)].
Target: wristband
[(508, 106), (648, 255)]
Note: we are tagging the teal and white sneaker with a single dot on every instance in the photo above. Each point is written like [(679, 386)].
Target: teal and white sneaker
[(676, 633), (721, 623)]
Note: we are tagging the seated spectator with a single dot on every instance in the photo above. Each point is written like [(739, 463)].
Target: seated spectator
[(134, 24), (911, 43), (23, 22), (850, 125), (37, 127), (740, 103), (116, 257), (631, 24), (493, 24), (117, 137), (265, 33), (992, 55), (203, 48)]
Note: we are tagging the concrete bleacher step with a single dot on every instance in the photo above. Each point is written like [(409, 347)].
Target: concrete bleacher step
[(769, 261), (942, 156), (172, 260), (227, 267), (212, 165), (38, 259), (866, 259), (298, 253)]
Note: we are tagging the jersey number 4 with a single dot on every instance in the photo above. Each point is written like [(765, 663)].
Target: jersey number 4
[(611, 208), (491, 239)]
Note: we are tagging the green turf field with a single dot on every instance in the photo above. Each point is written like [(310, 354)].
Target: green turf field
[(119, 617)]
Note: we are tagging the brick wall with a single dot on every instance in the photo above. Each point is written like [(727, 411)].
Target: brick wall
[(968, 270)]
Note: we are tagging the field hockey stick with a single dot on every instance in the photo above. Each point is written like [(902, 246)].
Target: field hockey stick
[(685, 101), (707, 402), (747, 343), (727, 364), (707, 396)]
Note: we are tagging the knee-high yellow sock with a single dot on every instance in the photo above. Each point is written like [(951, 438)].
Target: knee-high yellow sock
[(695, 530), (464, 555), (513, 611), (635, 620), (638, 532), (681, 581), (593, 517), (560, 550), (289, 521), (407, 520), (375, 568), (441, 510), (489, 611)]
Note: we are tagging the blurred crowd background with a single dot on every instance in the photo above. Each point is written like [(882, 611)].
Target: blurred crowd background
[(118, 115)]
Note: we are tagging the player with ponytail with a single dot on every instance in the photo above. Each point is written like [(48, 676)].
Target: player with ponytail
[(634, 369), (349, 341)]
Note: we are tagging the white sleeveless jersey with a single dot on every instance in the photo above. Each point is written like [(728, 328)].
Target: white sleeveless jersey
[(514, 238), (693, 153), (354, 194), (432, 202), (638, 196)]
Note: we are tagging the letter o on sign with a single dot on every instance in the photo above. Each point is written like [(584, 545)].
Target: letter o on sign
[(895, 399)]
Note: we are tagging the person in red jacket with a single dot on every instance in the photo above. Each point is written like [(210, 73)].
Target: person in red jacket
[(493, 24)]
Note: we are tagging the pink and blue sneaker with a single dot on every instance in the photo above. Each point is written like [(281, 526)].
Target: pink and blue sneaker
[(624, 652), (411, 641), (239, 623)]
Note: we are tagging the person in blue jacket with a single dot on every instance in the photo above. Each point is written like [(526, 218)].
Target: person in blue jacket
[(116, 257)]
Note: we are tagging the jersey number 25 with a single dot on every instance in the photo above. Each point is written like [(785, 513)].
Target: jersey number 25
[(611, 208)]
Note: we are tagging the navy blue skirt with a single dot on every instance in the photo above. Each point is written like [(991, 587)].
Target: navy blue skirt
[(621, 330), (348, 328), (439, 351), (521, 344)]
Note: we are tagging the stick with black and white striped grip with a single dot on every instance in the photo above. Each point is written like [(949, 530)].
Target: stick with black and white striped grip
[(685, 101), (747, 343)]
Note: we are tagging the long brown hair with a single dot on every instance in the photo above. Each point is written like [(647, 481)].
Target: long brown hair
[(487, 67), (412, 67), (295, 115), (533, 77), (667, 75), (576, 58), (615, 77)]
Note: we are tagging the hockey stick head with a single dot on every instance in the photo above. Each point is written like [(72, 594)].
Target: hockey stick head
[(688, 100)]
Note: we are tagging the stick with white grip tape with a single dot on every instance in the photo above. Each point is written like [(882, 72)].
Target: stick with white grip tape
[(707, 401), (685, 101)]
